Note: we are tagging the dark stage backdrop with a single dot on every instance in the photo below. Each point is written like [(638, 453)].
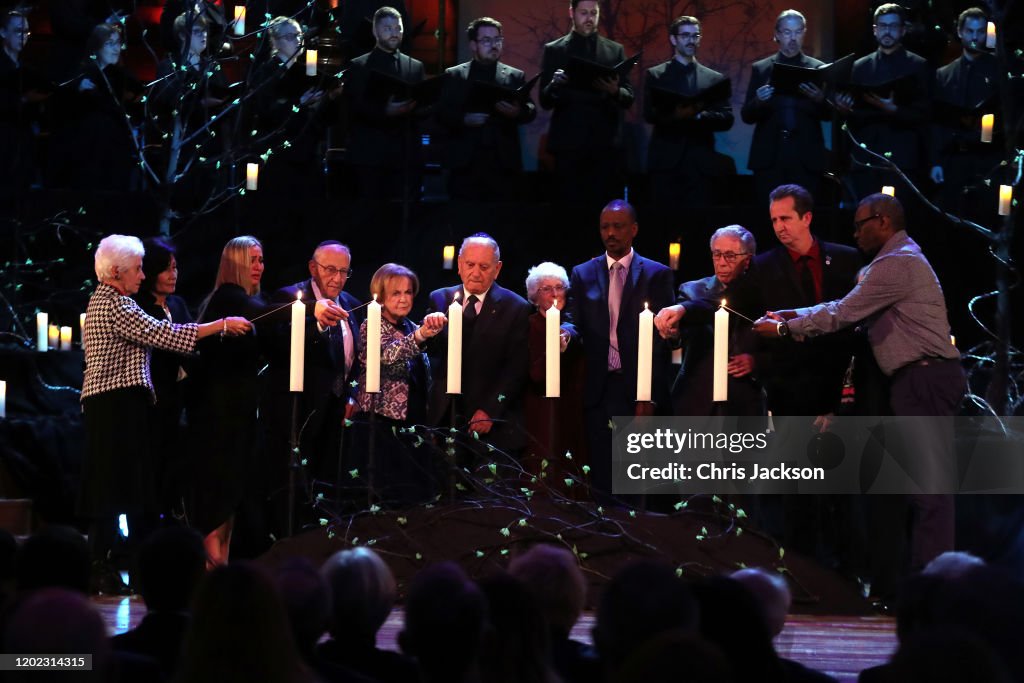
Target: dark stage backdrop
[(736, 33)]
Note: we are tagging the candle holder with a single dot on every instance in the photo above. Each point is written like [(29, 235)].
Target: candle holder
[(371, 451), (341, 457), (293, 461)]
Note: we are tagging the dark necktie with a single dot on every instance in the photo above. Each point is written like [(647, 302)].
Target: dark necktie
[(807, 281), (469, 314)]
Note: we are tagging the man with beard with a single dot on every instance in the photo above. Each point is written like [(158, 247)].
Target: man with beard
[(788, 146), (681, 154), (584, 133), (484, 157), (381, 141)]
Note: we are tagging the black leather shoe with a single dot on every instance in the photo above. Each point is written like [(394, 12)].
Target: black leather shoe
[(105, 580)]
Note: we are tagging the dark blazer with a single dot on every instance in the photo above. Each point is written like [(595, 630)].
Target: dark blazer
[(646, 282), (499, 137), (805, 138), (495, 361), (803, 378), (375, 139), (964, 83), (321, 365), (672, 139), (902, 133), (692, 389), (582, 118)]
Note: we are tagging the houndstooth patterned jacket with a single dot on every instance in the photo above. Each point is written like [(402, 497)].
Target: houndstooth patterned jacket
[(118, 337)]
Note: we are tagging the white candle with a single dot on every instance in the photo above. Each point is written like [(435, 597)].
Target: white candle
[(53, 337), (645, 355), (239, 20), (1005, 199), (65, 338), (449, 256), (455, 347), (987, 121), (81, 328), (552, 352), (252, 177), (373, 346), (889, 190), (3, 399), (990, 36), (311, 62), (42, 324), (674, 249), (720, 382), (298, 351)]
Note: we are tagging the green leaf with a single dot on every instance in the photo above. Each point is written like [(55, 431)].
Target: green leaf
[(501, 397), (544, 464), (374, 509), (323, 521), (402, 521), (716, 499), (611, 425), (740, 514), (586, 469), (568, 481), (522, 522), (782, 553), (679, 572), (479, 553), (504, 551), (354, 473), (632, 513), (418, 556), (739, 531), (680, 505), (703, 531), (568, 455), (504, 531)]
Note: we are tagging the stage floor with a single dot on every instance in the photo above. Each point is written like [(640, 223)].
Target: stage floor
[(839, 646)]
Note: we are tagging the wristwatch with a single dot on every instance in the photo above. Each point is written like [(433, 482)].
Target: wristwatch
[(782, 329)]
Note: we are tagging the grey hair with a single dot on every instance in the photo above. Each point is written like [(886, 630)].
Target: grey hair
[(953, 565), (117, 251), (481, 239), (740, 233), (363, 591), (542, 271), (790, 14), (278, 23)]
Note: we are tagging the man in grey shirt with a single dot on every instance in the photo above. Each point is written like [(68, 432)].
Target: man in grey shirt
[(900, 301)]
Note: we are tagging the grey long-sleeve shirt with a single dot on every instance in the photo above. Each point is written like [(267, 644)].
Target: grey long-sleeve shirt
[(900, 299)]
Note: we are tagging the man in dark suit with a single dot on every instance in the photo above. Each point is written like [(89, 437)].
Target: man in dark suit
[(584, 132), (382, 146), (681, 156), (788, 146), (606, 296), (495, 361), (690, 321), (484, 158), (330, 364), (893, 124)]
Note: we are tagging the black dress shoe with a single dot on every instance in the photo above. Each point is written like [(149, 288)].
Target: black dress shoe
[(105, 580)]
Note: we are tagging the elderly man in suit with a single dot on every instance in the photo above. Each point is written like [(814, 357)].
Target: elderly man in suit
[(330, 364), (788, 145), (381, 141), (681, 155), (585, 123), (484, 157), (606, 296), (495, 360), (691, 319)]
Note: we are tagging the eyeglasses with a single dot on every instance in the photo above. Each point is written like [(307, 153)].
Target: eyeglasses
[(688, 36), (551, 289), (727, 256), (293, 37), (859, 224), (491, 42), (788, 33), (331, 271), (891, 28)]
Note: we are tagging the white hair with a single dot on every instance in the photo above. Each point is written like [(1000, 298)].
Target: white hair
[(117, 251), (543, 271), (739, 232), (481, 239)]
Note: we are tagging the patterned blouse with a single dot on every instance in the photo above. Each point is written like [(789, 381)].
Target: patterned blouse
[(398, 352), (118, 338)]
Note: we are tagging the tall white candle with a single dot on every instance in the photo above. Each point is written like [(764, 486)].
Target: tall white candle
[(987, 122), (42, 325), (311, 60), (53, 337), (373, 310), (552, 352), (298, 351), (455, 347), (65, 338), (1005, 199), (81, 328), (252, 177), (645, 355), (720, 382), (239, 20), (3, 399)]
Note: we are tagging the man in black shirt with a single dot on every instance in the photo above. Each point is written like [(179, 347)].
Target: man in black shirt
[(788, 146), (381, 140), (585, 123), (681, 156), (484, 156)]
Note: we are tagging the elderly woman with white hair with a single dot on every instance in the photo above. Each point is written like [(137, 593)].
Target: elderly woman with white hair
[(554, 426), (117, 396)]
